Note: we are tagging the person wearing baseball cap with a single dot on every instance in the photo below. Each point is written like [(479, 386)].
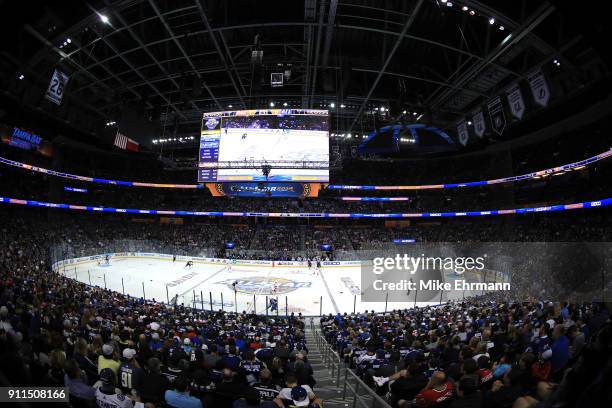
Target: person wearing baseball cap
[(108, 360), (297, 395), (129, 371), (107, 395)]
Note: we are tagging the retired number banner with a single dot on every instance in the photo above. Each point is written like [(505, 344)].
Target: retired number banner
[(57, 86)]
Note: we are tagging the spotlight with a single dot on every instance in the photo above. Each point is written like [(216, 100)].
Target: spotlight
[(414, 113), (469, 123), (464, 8), (501, 28), (68, 40), (404, 112), (342, 105), (472, 12), (491, 21), (449, 4), (443, 1), (271, 104), (284, 103), (230, 106), (332, 105), (21, 77), (104, 19)]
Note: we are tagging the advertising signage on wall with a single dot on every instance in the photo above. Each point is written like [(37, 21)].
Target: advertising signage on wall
[(24, 139)]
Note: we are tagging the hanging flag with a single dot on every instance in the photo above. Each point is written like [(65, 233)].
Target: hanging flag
[(463, 133), (56, 88), (515, 101), (479, 124), (125, 143), (539, 87), (496, 112)]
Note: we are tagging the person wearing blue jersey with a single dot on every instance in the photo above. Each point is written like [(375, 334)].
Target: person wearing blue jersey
[(129, 371)]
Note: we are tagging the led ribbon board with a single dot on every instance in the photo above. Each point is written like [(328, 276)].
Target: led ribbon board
[(551, 208), (535, 175)]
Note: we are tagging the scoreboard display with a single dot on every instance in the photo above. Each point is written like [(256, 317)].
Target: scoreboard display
[(238, 146)]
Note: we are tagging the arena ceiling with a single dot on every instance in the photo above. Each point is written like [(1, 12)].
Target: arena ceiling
[(177, 58)]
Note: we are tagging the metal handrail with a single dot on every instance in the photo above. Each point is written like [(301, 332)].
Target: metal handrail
[(333, 360)]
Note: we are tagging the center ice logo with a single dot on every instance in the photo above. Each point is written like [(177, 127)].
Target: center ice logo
[(261, 285), (211, 123)]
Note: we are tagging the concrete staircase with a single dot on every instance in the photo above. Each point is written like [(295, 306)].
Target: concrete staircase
[(330, 387), (326, 387)]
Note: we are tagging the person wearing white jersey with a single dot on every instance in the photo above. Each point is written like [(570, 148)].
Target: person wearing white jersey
[(107, 396)]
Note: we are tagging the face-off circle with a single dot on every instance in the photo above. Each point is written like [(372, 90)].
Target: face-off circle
[(261, 285)]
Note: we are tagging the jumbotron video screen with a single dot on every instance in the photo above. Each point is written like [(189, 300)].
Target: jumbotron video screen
[(238, 145)]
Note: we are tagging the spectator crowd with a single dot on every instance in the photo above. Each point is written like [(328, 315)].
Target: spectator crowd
[(481, 353)]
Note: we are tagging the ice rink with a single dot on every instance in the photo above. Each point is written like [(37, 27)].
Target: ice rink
[(274, 144), (334, 289)]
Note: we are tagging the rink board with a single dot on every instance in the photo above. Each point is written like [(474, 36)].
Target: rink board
[(334, 289)]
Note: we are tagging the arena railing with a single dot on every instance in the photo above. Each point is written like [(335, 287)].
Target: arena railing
[(533, 175), (526, 210), (353, 387)]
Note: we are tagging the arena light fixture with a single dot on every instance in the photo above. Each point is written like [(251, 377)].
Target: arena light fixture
[(492, 21), (21, 76), (501, 28), (469, 123), (284, 103), (230, 106), (472, 12), (271, 104), (68, 40), (449, 4), (404, 112), (104, 18), (332, 105), (342, 105), (464, 8)]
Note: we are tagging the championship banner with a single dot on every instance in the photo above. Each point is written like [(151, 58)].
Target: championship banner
[(295, 190), (539, 87), (515, 101), (463, 133), (479, 124), (56, 88), (496, 112)]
